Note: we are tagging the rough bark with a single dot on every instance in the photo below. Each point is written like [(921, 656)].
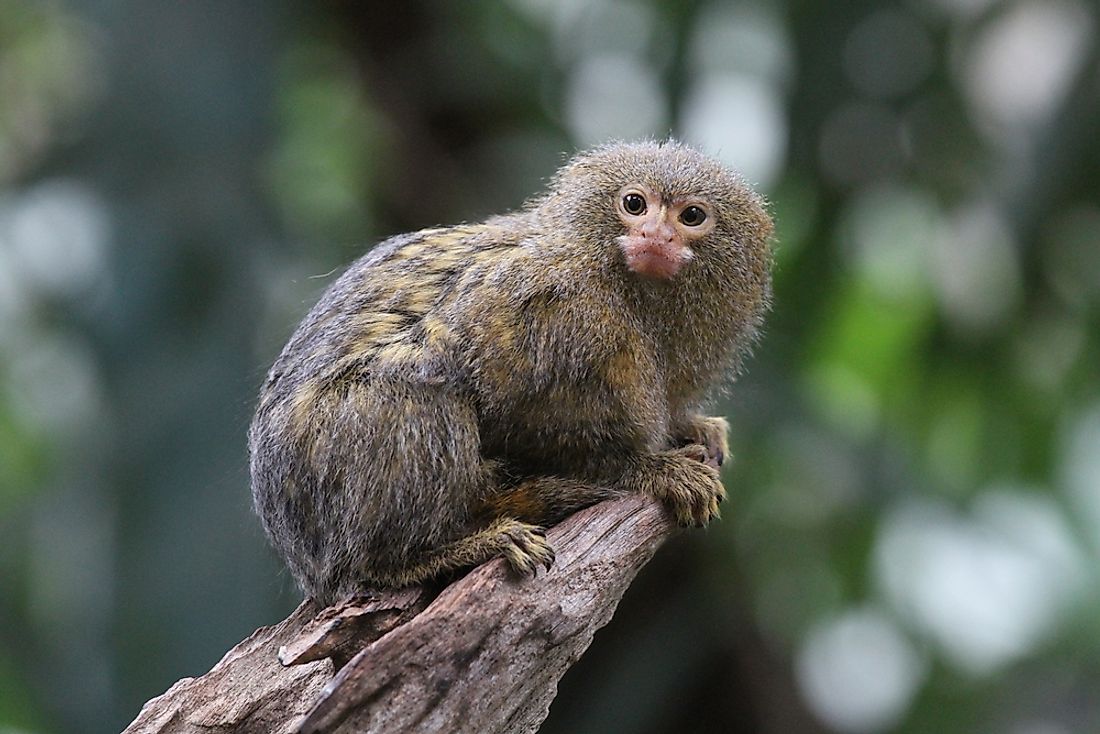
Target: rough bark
[(485, 655)]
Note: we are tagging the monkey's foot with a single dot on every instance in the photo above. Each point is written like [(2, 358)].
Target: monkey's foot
[(690, 486), (710, 432), (524, 546)]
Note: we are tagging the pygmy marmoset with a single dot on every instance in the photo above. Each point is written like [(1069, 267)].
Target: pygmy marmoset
[(458, 389)]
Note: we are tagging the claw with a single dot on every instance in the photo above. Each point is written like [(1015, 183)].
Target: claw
[(711, 434), (527, 548), (695, 452)]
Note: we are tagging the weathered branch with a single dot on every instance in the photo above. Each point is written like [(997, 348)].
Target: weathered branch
[(485, 655)]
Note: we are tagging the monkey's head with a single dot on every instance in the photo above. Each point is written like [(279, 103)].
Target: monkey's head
[(661, 211)]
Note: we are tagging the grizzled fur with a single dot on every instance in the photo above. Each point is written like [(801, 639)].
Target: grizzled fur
[(458, 388)]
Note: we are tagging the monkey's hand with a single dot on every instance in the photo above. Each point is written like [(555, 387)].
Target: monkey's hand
[(523, 545), (709, 432), (686, 480)]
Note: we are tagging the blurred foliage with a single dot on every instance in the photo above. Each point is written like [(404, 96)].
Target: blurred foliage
[(915, 533)]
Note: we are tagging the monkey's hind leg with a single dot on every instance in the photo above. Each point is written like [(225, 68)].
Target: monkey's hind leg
[(522, 544), (547, 500), (516, 520)]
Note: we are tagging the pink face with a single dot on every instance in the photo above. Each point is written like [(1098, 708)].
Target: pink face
[(660, 234)]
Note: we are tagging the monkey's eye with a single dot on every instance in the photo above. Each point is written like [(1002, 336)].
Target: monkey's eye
[(693, 216), (634, 204)]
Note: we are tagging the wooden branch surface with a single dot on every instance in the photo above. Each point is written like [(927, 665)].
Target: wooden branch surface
[(485, 655)]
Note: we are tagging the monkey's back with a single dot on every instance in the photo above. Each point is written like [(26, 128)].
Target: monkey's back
[(376, 318), (373, 365)]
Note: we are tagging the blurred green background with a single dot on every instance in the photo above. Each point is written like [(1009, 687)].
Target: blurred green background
[(914, 538)]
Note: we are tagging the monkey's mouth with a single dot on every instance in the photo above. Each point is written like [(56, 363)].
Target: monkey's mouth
[(654, 260)]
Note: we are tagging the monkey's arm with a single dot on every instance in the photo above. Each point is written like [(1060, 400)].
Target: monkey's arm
[(617, 414), (681, 478), (576, 406)]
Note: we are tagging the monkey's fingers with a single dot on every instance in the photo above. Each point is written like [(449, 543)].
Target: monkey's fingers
[(695, 452), (679, 504), (706, 500), (525, 548), (713, 510), (693, 505), (710, 432), (706, 510), (715, 439), (688, 484)]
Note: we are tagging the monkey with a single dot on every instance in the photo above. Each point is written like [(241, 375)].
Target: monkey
[(459, 389)]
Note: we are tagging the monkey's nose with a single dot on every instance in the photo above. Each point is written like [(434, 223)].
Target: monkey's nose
[(659, 233)]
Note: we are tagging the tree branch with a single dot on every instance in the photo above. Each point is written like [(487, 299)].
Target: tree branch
[(485, 655)]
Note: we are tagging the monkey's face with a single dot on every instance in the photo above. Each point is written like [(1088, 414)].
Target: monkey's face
[(663, 213), (660, 232)]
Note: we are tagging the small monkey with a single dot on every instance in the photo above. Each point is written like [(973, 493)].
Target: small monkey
[(459, 389)]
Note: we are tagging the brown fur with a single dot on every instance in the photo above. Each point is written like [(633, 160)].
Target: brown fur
[(457, 389)]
